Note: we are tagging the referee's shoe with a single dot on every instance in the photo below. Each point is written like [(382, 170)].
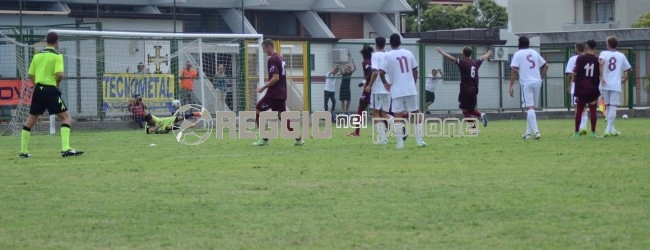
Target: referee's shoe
[(71, 152)]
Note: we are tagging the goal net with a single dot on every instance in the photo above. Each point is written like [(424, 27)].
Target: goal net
[(108, 74)]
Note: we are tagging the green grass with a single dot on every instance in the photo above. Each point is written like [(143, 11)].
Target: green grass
[(491, 192)]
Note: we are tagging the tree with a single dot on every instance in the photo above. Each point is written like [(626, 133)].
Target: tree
[(485, 14), (644, 21), (411, 25), (438, 17), (490, 15), (424, 4)]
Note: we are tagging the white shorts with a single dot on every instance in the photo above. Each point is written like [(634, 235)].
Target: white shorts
[(380, 102), (405, 104), (530, 94), (611, 97)]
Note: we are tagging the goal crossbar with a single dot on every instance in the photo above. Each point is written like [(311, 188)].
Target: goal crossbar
[(156, 34), (258, 37)]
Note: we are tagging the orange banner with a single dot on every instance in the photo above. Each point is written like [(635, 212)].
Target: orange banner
[(11, 91)]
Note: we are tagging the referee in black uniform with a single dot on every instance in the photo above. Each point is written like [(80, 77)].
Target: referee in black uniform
[(46, 71)]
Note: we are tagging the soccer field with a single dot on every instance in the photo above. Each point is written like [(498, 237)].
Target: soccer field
[(490, 192)]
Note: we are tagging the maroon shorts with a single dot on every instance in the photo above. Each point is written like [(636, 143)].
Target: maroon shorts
[(467, 98), (272, 104), (586, 99), (586, 92)]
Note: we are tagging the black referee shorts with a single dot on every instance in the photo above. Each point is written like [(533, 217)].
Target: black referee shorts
[(48, 98)]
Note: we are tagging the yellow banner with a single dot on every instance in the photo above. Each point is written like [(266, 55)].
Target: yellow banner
[(156, 90)]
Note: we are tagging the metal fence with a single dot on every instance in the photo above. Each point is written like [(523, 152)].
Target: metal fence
[(308, 62), (494, 77)]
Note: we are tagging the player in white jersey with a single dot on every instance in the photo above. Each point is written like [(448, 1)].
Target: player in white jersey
[(379, 96), (612, 64), (401, 66), (580, 50), (527, 63)]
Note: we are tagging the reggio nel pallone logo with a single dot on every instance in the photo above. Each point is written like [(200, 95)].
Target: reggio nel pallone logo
[(294, 124), (291, 124), (191, 132)]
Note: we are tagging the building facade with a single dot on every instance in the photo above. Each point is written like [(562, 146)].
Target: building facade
[(279, 18), (574, 15)]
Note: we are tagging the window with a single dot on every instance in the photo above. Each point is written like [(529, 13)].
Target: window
[(604, 12), (326, 18), (293, 61), (599, 11), (450, 69), (296, 62), (278, 23)]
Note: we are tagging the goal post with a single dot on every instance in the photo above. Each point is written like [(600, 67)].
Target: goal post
[(105, 70)]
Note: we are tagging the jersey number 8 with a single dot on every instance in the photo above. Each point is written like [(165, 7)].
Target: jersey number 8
[(612, 64)]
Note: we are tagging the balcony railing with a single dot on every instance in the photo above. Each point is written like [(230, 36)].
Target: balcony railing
[(592, 25)]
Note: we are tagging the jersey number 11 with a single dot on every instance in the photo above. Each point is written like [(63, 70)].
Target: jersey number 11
[(589, 70)]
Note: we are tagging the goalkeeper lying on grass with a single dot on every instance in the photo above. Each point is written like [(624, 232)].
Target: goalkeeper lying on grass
[(155, 125)]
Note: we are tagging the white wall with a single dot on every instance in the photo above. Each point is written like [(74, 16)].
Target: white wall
[(143, 25), (107, 24), (540, 16), (368, 29), (8, 60), (628, 11), (35, 20)]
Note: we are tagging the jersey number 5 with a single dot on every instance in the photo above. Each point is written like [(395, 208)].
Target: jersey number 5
[(532, 63), (403, 64)]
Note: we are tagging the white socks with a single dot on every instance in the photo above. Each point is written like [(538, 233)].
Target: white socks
[(418, 133), (380, 128), (532, 121), (611, 118), (583, 121), (399, 133)]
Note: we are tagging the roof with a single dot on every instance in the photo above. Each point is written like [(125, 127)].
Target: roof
[(470, 36), (355, 6)]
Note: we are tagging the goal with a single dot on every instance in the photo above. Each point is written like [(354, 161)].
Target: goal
[(105, 70)]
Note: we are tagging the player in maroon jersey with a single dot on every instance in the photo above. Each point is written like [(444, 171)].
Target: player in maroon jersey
[(364, 100), (276, 90), (468, 81), (586, 75)]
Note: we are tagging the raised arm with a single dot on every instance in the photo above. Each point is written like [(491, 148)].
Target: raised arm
[(487, 55), (333, 71), (446, 55)]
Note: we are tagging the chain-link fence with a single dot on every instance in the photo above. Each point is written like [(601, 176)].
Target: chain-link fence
[(494, 76), (307, 61)]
